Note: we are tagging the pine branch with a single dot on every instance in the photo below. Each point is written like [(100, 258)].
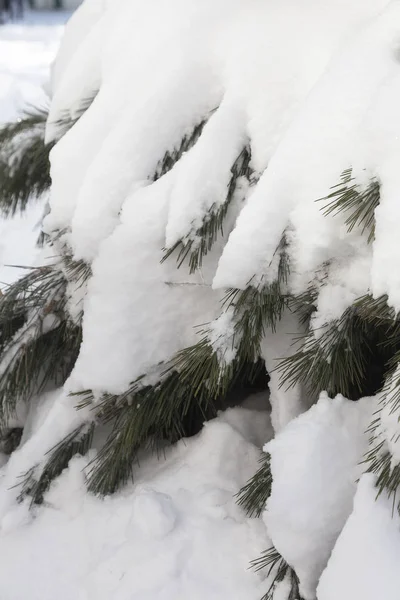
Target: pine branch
[(67, 119), (335, 359), (199, 242), (143, 418), (78, 442), (24, 172), (10, 439), (77, 271), (40, 289), (275, 564), (46, 359), (254, 495), (378, 458), (304, 305), (359, 204), (39, 345), (375, 309), (189, 390), (172, 157), (258, 308), (31, 119)]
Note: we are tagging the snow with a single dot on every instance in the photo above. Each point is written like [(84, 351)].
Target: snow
[(285, 340), (203, 179), (315, 466), (177, 532), (26, 52), (364, 563), (312, 87), (216, 61), (174, 300)]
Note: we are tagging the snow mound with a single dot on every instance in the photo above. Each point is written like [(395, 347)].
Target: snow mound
[(368, 545), (315, 466), (177, 532)]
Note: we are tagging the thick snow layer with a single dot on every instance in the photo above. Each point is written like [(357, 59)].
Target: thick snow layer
[(177, 532), (78, 26), (315, 466), (160, 69), (349, 119), (147, 308), (365, 561)]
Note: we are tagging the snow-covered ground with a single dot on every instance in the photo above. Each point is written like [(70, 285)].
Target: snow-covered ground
[(27, 50), (177, 533)]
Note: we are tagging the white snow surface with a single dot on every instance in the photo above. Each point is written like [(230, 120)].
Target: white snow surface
[(251, 70), (175, 533), (315, 463), (364, 563)]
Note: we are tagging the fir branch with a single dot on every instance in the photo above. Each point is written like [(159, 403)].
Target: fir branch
[(276, 565), (254, 495), (199, 241), (359, 204)]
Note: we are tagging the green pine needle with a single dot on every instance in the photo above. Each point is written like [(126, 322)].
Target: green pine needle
[(31, 119), (143, 417), (378, 458), (66, 120), (275, 565), (34, 355), (77, 271), (336, 359), (254, 495), (24, 171), (359, 204), (78, 442), (199, 241), (375, 309), (172, 157), (47, 359)]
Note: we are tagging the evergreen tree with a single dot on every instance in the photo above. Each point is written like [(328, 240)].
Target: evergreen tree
[(189, 267)]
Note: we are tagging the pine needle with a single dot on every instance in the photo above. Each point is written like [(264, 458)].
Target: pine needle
[(275, 565), (254, 495), (24, 165), (359, 204), (199, 241), (172, 157), (78, 442)]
